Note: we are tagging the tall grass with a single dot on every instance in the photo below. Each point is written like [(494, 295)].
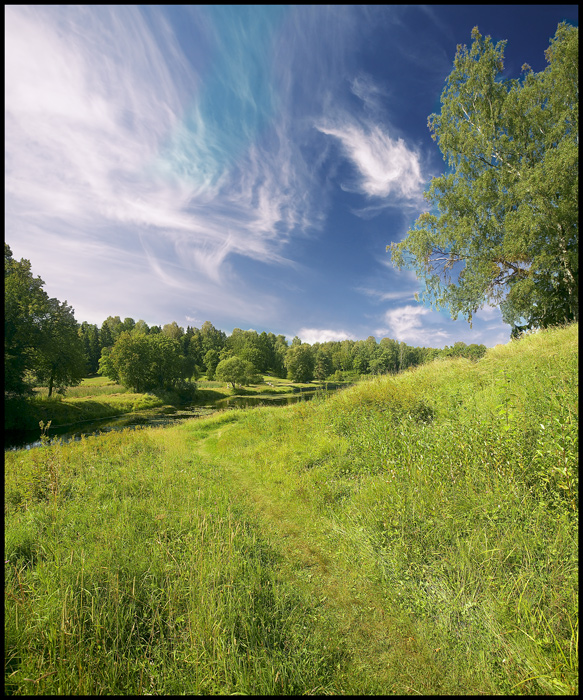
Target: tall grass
[(163, 585), (413, 534)]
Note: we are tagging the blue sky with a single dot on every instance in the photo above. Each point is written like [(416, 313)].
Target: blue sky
[(242, 165)]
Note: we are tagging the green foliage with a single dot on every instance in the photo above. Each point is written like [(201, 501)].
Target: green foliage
[(146, 362), (173, 330), (211, 360), (212, 338), (106, 365), (40, 333), (89, 334), (323, 364), (111, 329), (24, 307), (60, 360), (459, 349), (299, 362), (235, 370), (505, 229)]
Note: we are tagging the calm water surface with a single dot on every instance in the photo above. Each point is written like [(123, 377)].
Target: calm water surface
[(25, 439)]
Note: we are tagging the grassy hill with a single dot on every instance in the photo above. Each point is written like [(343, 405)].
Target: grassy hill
[(410, 534)]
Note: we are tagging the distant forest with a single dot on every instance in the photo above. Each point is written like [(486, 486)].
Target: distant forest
[(204, 348), (46, 346)]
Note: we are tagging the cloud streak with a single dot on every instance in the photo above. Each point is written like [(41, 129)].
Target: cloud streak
[(108, 129), (386, 166)]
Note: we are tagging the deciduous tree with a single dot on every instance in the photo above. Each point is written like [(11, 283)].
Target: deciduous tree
[(146, 362), (24, 309), (211, 360), (234, 370), (59, 358), (503, 228), (41, 339), (323, 364), (299, 362)]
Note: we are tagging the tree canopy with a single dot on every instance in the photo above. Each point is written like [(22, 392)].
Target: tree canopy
[(146, 362), (41, 342), (59, 359), (300, 363), (236, 370), (503, 226)]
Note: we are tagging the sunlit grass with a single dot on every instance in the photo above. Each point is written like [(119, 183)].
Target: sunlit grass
[(414, 534), (89, 387), (164, 585)]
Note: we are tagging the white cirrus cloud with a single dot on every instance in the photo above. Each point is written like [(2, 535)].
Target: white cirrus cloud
[(369, 92), (94, 98), (387, 167), (388, 296)]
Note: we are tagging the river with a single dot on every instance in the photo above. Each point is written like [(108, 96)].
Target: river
[(26, 439)]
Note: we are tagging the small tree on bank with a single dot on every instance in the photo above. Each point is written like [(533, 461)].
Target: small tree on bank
[(235, 370)]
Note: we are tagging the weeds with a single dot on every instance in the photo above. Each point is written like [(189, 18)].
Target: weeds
[(415, 534)]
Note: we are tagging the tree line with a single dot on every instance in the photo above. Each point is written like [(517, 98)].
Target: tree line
[(46, 346), (138, 356)]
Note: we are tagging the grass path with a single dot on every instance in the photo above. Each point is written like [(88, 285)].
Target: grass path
[(383, 652)]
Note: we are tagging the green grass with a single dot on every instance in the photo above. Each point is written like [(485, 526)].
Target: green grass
[(69, 411), (414, 534), (89, 387)]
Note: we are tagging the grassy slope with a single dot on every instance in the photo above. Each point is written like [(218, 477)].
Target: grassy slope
[(415, 534)]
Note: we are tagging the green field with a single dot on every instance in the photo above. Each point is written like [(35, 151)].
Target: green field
[(415, 534)]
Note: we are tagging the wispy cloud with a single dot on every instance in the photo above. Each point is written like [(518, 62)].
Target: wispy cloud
[(107, 125), (371, 94), (405, 324), (387, 167), (388, 296), (315, 335)]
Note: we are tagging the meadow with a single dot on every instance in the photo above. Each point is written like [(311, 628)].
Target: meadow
[(411, 534)]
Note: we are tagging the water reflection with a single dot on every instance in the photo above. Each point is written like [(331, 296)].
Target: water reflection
[(252, 401), (26, 439)]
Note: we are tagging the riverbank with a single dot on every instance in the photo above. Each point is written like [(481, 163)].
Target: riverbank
[(97, 399), (414, 534), (26, 415)]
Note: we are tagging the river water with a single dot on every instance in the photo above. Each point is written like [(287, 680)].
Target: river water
[(26, 439)]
